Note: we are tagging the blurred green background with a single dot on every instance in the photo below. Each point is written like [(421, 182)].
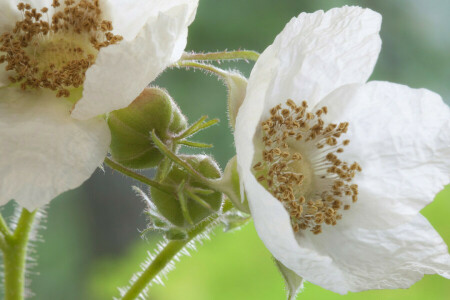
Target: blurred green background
[(92, 243)]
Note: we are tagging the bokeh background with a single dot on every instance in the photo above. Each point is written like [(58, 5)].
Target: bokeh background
[(92, 243)]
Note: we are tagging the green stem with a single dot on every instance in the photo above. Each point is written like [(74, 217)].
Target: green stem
[(138, 177), (164, 257), (14, 257), (224, 55), (4, 229), (220, 185), (206, 67)]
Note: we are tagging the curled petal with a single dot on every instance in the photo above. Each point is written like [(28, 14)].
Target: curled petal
[(401, 138), (43, 151), (122, 71)]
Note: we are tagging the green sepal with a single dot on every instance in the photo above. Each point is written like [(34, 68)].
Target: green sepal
[(235, 220), (198, 205), (231, 178), (130, 127), (293, 282)]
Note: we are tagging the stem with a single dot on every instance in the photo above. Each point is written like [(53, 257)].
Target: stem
[(224, 55), (138, 177), (4, 228), (215, 184), (206, 67), (14, 257), (173, 157), (164, 257)]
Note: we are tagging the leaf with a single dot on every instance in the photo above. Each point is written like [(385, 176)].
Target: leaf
[(293, 282)]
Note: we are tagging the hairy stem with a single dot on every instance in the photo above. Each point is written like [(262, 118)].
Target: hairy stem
[(14, 257), (138, 177), (224, 55), (165, 257), (206, 67)]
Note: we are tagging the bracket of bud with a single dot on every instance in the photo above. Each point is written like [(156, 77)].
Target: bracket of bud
[(131, 143)]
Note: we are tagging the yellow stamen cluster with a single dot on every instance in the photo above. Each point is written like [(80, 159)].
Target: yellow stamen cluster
[(300, 166), (56, 53)]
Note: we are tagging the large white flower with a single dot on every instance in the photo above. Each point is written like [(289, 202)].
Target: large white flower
[(335, 169), (61, 66)]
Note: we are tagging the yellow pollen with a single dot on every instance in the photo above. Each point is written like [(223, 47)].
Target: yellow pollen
[(299, 165), (55, 52)]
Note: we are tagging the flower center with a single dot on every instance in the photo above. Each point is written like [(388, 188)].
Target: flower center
[(56, 53), (299, 165)]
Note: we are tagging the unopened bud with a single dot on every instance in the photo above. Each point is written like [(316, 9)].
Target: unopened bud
[(131, 143)]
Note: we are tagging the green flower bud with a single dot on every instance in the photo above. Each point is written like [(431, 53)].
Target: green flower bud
[(194, 201), (131, 144)]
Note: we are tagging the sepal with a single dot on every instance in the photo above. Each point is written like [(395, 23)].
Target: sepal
[(234, 220), (293, 282), (231, 178), (237, 86)]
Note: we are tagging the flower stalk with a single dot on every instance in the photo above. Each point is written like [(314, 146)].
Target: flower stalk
[(115, 166), (14, 256), (223, 55), (166, 255)]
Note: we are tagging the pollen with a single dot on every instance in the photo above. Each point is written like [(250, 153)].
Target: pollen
[(55, 52), (299, 165)]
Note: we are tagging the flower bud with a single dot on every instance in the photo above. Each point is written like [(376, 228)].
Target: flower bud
[(193, 202), (131, 144)]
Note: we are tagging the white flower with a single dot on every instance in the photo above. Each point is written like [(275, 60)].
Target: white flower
[(99, 55), (365, 157)]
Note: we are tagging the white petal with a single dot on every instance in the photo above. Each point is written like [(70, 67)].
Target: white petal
[(343, 259), (43, 151), (272, 223), (401, 138), (375, 259), (122, 71), (9, 14), (129, 17), (316, 53)]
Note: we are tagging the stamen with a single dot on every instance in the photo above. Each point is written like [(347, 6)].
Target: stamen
[(56, 53), (301, 168)]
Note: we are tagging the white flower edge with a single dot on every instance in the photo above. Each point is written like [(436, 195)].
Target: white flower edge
[(44, 150), (128, 67)]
